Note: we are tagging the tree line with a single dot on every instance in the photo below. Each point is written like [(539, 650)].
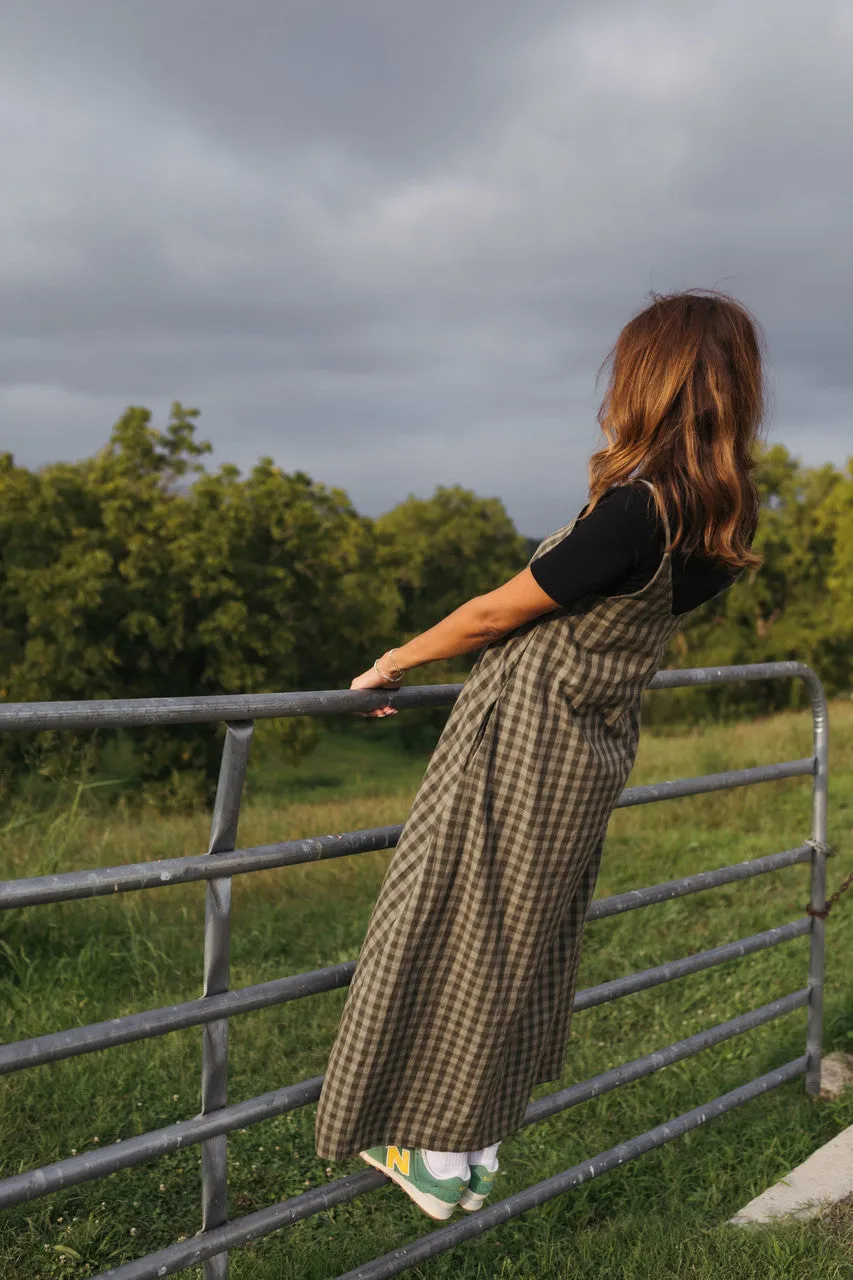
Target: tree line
[(139, 572)]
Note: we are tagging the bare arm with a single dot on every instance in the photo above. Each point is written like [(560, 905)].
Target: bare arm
[(474, 624), (478, 621)]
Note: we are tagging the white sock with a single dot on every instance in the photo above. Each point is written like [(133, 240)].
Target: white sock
[(487, 1156), (446, 1164)]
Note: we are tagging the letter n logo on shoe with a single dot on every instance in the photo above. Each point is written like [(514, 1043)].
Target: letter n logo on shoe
[(398, 1158)]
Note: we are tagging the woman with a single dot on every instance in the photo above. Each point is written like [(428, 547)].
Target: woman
[(462, 996)]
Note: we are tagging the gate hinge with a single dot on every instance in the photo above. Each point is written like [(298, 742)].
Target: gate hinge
[(820, 846)]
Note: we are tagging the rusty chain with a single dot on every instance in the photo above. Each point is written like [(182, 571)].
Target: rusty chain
[(820, 847)]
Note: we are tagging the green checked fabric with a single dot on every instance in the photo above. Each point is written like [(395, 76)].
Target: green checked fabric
[(461, 1000)]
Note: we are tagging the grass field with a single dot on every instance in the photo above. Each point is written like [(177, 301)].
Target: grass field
[(662, 1216)]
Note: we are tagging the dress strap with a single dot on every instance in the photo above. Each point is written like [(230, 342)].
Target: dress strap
[(663, 509)]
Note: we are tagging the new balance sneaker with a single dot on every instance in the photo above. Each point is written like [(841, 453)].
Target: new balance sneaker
[(438, 1197), (479, 1186)]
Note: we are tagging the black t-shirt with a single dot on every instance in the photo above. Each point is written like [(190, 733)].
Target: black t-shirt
[(617, 549)]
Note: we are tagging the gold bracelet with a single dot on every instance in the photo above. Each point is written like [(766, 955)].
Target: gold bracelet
[(395, 680), (398, 673), (397, 667)]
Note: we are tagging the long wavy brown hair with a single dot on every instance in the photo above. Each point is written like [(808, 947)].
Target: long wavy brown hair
[(684, 408)]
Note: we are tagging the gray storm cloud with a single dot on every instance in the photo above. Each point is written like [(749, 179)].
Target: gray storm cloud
[(390, 243)]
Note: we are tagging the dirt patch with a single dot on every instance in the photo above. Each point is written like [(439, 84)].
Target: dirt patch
[(838, 1221)]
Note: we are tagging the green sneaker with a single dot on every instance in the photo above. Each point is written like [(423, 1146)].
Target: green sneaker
[(405, 1165), (478, 1187)]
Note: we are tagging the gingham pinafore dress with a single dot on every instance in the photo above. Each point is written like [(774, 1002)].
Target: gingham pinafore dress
[(462, 996)]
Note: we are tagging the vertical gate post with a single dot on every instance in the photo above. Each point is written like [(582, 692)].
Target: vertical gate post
[(814, 1040), (217, 956)]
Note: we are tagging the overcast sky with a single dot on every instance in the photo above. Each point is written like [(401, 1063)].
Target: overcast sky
[(390, 242)]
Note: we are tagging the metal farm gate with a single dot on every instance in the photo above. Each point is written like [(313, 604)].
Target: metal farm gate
[(218, 1004)]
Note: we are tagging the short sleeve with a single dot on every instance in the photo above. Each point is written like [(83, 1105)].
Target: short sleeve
[(603, 549)]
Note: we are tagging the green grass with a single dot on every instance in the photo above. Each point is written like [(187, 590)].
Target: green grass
[(661, 1216)]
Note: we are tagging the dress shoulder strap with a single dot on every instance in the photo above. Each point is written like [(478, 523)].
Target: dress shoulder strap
[(664, 514)]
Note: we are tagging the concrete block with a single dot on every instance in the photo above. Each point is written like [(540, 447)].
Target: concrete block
[(822, 1180), (836, 1074)]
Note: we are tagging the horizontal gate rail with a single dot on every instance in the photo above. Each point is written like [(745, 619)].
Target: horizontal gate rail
[(22, 1054), (602, 908), (130, 713), (591, 997), (38, 890), (176, 1017), (219, 1004), (254, 1226), (126, 713), (242, 1115), (103, 881), (653, 791), (446, 1237)]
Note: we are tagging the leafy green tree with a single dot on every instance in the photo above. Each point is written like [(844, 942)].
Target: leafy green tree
[(139, 573), (443, 550), (136, 573), (836, 517)]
